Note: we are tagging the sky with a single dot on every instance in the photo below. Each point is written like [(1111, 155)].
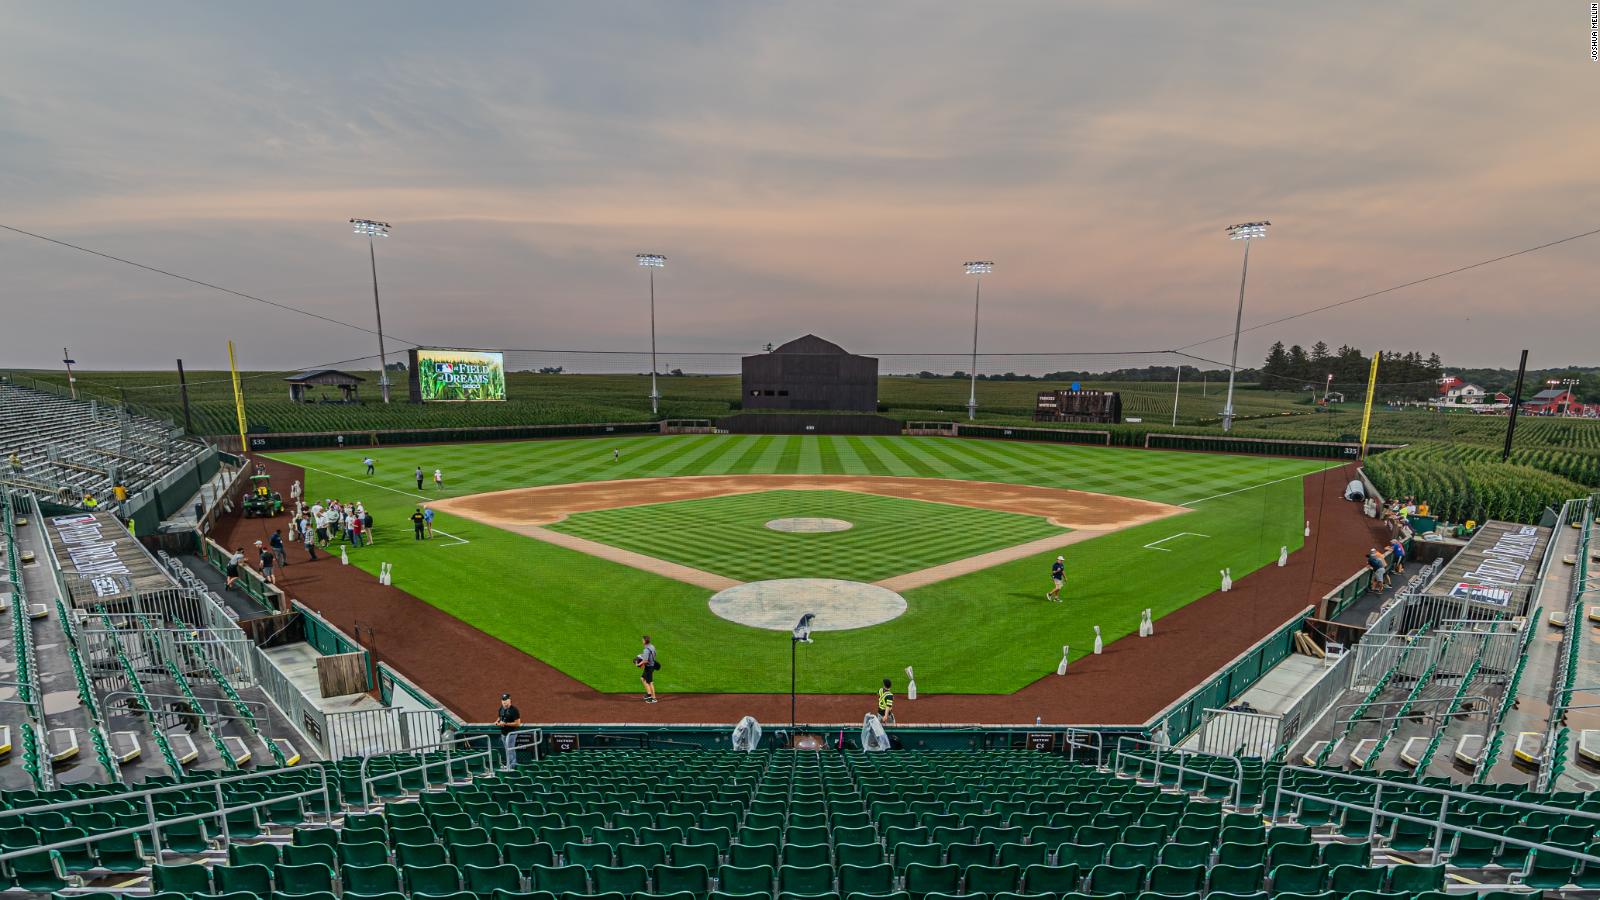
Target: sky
[(806, 167)]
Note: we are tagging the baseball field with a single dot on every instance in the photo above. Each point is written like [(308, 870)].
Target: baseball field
[(569, 550)]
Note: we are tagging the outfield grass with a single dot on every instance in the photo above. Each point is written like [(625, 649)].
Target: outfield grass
[(987, 632), (728, 535)]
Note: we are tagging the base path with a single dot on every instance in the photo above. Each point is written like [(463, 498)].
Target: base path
[(1133, 680), (519, 507)]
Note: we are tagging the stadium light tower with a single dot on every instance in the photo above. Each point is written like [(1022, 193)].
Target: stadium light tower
[(374, 229), (1245, 231), (653, 261), (977, 269)]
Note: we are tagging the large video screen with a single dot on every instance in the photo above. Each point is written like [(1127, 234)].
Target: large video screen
[(457, 375)]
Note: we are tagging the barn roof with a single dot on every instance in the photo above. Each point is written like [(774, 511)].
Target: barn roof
[(813, 345)]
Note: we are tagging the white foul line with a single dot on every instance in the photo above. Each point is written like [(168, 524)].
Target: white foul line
[(382, 487), (1263, 484), (1152, 544)]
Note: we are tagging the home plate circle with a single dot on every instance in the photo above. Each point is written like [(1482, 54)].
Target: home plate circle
[(778, 604), (804, 525)]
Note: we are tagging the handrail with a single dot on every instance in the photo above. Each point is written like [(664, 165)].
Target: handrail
[(1238, 783), (183, 686), (153, 825), (97, 720), (1440, 825), (447, 745), (1367, 701), (1492, 745), (1449, 712), (1405, 706), (239, 704), (132, 674), (1099, 745)]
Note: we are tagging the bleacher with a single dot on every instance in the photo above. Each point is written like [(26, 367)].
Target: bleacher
[(67, 448), (721, 825)]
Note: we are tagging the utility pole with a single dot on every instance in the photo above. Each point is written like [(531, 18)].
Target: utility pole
[(72, 383), (1516, 406), (183, 388)]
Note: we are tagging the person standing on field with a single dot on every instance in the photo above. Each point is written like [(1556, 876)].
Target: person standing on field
[(427, 519), (417, 520), (1058, 577), (886, 703), (370, 465), (616, 455), (646, 662), (438, 479), (308, 537), (419, 478)]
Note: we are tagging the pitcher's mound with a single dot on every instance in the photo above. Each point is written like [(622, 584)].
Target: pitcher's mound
[(803, 525), (779, 604)]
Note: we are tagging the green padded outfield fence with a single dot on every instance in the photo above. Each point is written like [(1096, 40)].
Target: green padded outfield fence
[(1185, 715)]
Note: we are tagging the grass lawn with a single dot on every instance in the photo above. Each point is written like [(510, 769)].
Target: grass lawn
[(728, 535), (987, 632)]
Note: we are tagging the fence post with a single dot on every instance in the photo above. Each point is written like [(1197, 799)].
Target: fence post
[(1438, 830), (155, 830), (221, 815)]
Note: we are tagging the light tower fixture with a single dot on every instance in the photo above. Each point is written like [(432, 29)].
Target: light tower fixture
[(374, 229), (1244, 231), (653, 261), (977, 269)]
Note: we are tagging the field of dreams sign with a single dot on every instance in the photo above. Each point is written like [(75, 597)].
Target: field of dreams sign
[(95, 550)]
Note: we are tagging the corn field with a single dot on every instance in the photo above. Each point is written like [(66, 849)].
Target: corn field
[(1462, 483)]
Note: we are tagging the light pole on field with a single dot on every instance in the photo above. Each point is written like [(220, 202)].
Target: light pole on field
[(652, 261), (977, 269), (374, 229), (1245, 231)]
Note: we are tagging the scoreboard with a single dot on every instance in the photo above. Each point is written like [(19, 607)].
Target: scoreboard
[(1101, 407)]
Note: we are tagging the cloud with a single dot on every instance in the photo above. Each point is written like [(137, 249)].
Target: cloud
[(807, 167)]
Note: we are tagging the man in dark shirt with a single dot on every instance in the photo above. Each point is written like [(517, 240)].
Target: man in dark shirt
[(1058, 577), (509, 718), (417, 520)]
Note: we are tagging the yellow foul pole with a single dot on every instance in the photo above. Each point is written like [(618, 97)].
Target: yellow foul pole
[(238, 400), (1366, 415)]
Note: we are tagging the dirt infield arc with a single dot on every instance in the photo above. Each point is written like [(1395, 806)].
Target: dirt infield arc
[(1134, 679)]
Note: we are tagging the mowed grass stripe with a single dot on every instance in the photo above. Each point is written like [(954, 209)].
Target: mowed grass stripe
[(878, 463), (728, 535)]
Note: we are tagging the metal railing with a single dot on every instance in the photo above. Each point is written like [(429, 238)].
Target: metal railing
[(154, 824), (1234, 732), (448, 763), (1439, 824), (1237, 783)]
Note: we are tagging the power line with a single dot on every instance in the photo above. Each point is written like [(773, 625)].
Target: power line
[(1390, 290), (195, 281)]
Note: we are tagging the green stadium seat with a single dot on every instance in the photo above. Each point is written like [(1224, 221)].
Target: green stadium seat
[(560, 880), (1291, 855), (488, 879), (1108, 879), (1085, 855), (1295, 879), (1133, 855), (589, 855), (187, 878), (921, 879), (253, 878), (1348, 879), (807, 855), (124, 853), (1231, 879), (747, 855), (868, 854), (372, 879), (986, 879), (302, 879), (1167, 879), (438, 879), (964, 855), (647, 855), (308, 854), (1548, 871), (805, 880), (625, 880), (694, 880), (906, 855)]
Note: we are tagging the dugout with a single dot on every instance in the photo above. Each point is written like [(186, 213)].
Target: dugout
[(812, 374)]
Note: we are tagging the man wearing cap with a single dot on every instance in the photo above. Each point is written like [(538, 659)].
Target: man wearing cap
[(1058, 575), (509, 718)]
